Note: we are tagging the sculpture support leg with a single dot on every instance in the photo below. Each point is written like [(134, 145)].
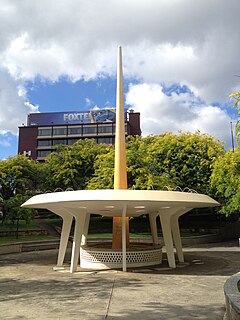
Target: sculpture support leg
[(176, 232), (85, 230), (153, 227), (124, 240), (167, 237), (177, 237), (79, 224), (66, 227)]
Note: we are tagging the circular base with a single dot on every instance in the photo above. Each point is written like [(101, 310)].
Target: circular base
[(102, 256)]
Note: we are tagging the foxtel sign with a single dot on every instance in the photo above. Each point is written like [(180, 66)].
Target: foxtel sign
[(80, 116), (72, 117)]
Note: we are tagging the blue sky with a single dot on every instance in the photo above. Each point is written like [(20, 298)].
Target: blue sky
[(66, 95), (177, 75)]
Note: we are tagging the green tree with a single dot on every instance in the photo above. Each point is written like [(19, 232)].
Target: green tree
[(142, 173), (18, 176), (186, 159), (16, 212), (72, 166), (103, 176), (167, 160), (225, 181)]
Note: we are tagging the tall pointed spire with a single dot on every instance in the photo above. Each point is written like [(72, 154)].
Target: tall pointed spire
[(120, 167)]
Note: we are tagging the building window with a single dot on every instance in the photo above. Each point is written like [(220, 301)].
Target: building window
[(126, 127), (89, 129), (43, 153), (45, 132), (59, 131), (105, 140), (44, 143), (59, 141), (76, 130), (105, 129), (72, 141)]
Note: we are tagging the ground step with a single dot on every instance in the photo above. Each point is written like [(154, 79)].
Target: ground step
[(44, 245)]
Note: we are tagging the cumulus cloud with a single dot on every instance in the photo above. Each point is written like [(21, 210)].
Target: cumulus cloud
[(193, 43), (5, 143), (177, 112), (189, 42), (13, 105)]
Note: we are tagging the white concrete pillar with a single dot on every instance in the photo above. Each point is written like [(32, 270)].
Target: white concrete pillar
[(176, 232), (78, 231), (66, 227), (65, 233), (124, 239), (153, 227), (85, 230), (165, 218)]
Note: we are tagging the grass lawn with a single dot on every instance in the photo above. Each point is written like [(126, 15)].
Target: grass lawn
[(100, 223), (142, 235), (109, 235), (96, 233), (57, 222), (8, 226), (33, 225), (5, 240)]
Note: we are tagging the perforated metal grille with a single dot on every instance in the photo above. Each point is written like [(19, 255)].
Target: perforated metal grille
[(115, 257)]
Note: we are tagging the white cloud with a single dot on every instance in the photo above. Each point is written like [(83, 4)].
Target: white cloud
[(194, 43), (5, 143), (189, 42), (88, 102), (179, 112), (13, 105), (8, 145)]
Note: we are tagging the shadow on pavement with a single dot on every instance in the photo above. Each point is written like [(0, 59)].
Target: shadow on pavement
[(162, 311), (198, 261)]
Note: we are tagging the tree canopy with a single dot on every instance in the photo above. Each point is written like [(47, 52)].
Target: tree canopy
[(167, 160), (154, 162), (225, 181), (18, 175), (187, 158), (72, 166), (19, 179), (14, 210)]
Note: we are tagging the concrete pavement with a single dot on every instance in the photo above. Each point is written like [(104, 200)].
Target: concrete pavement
[(30, 289)]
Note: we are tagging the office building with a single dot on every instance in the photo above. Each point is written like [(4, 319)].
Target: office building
[(46, 130)]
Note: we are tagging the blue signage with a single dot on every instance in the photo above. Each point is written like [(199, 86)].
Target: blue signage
[(72, 117)]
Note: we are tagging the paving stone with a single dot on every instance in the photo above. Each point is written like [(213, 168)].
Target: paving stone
[(30, 288)]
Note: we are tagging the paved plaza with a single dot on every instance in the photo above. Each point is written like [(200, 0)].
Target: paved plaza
[(30, 289)]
